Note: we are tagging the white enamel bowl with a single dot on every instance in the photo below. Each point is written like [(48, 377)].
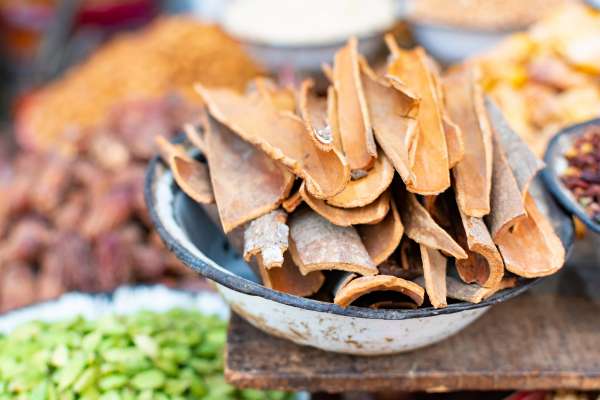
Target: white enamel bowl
[(198, 243)]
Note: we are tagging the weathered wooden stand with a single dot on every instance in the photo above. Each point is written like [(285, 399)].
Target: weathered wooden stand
[(548, 338)]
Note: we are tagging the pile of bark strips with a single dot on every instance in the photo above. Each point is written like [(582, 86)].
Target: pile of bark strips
[(363, 196)]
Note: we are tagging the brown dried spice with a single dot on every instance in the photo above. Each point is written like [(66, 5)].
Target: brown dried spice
[(507, 207), (434, 276), (282, 98), (368, 284), (391, 111), (194, 136), (370, 214), (353, 116), (382, 239), (267, 237), (292, 202), (523, 162), (484, 265), (431, 166), (315, 114), (420, 227), (364, 191), (316, 244), (246, 183), (455, 141), (192, 176), (532, 248), (288, 278), (473, 174), (281, 136)]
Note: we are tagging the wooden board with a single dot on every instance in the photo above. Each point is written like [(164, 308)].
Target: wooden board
[(548, 338)]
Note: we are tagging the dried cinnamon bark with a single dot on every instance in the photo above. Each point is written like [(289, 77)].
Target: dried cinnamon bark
[(288, 278), (292, 202), (282, 98), (383, 238), (473, 293), (333, 120), (267, 237), (532, 248), (434, 275), (192, 176), (281, 136), (523, 162), (246, 183), (364, 191), (361, 286), (353, 115), (369, 214), (316, 244), (431, 165), (194, 136), (484, 264), (473, 174), (391, 112), (315, 113), (420, 227), (507, 207), (455, 141)]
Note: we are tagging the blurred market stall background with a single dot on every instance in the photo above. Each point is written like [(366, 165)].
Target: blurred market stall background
[(86, 85)]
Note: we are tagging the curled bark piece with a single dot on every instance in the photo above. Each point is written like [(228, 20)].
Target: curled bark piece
[(484, 264), (355, 126), (522, 161), (420, 227), (281, 136), (393, 305), (332, 118), (246, 183), (507, 207), (282, 98), (430, 166), (473, 293), (316, 244), (364, 191), (267, 236), (292, 202), (455, 142), (369, 214), (434, 274), (395, 131), (532, 248), (288, 278), (369, 284), (192, 176), (195, 137), (473, 174), (314, 112), (382, 239)]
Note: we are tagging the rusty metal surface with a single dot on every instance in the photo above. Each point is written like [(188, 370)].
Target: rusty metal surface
[(545, 339)]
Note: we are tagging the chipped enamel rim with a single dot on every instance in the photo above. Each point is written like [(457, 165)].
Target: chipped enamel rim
[(556, 164), (159, 192)]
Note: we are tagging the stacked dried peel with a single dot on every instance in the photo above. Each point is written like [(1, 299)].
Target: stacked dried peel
[(311, 184)]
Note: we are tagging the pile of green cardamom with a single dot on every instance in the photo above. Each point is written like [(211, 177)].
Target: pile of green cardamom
[(144, 356)]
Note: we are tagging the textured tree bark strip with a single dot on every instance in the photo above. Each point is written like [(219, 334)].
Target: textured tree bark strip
[(317, 244), (246, 183), (382, 239), (434, 274), (288, 278), (267, 237), (368, 284), (282, 136)]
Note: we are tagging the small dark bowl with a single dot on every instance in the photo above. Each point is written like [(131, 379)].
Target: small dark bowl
[(187, 231), (556, 165)]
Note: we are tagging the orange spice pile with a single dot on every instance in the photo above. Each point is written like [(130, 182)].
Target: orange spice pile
[(548, 77), (167, 57)]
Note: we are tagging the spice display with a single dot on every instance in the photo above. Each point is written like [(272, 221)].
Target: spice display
[(351, 230), (78, 221), (582, 176), (146, 355), (547, 77), (482, 15), (165, 58)]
